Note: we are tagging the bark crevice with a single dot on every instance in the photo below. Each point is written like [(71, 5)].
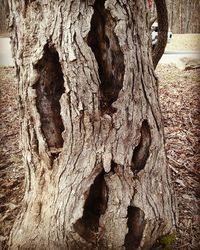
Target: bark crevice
[(136, 225), (110, 59), (49, 89), (113, 166), (141, 151), (95, 206)]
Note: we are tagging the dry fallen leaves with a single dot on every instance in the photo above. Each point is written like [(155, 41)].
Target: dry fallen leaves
[(180, 104)]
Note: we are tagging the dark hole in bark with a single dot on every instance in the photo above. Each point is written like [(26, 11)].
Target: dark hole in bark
[(136, 224), (113, 166), (95, 206), (49, 89), (105, 46), (35, 144), (141, 152)]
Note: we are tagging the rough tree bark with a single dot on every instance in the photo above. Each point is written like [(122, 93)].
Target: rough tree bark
[(96, 173)]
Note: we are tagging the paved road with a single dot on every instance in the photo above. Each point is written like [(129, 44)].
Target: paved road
[(169, 57), (180, 58), (5, 52)]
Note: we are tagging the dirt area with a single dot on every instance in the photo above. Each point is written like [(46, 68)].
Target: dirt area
[(184, 42), (180, 104), (11, 167), (179, 97)]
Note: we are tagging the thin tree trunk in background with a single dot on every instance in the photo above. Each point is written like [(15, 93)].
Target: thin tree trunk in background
[(183, 16), (96, 172), (162, 17), (4, 11)]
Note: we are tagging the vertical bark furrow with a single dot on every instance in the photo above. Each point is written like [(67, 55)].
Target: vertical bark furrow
[(96, 203), (141, 152), (113, 166), (49, 89), (33, 137), (105, 46), (135, 224)]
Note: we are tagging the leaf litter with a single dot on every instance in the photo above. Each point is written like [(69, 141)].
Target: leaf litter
[(179, 92)]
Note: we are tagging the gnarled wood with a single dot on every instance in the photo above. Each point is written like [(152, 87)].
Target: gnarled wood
[(107, 185)]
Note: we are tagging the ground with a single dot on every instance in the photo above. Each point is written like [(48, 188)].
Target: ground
[(180, 104), (11, 167)]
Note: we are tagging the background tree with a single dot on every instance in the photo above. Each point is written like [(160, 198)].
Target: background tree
[(4, 11), (162, 18), (96, 173), (183, 15)]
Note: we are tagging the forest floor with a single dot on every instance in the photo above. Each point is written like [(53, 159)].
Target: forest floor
[(180, 104), (11, 166)]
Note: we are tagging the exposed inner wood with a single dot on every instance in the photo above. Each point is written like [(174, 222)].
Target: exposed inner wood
[(141, 152), (95, 205), (105, 46), (136, 224), (49, 89)]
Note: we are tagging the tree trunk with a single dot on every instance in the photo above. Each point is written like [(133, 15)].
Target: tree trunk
[(185, 16), (96, 173), (162, 17)]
